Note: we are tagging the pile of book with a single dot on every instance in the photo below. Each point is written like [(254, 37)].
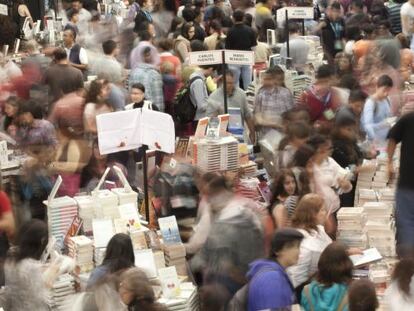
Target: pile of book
[(380, 227), (366, 177), (81, 249), (175, 256), (387, 195), (217, 155), (62, 290), (366, 195), (249, 169), (86, 211), (107, 204), (187, 300), (351, 222), (299, 84), (61, 212), (99, 255)]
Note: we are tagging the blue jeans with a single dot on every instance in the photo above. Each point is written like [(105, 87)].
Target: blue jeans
[(245, 71), (404, 220)]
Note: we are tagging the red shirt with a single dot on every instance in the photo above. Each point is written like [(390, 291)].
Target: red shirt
[(5, 205)]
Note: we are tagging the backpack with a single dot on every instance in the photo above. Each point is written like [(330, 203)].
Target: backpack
[(184, 109)]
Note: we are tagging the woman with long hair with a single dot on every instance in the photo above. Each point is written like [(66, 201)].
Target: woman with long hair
[(182, 45), (400, 294)]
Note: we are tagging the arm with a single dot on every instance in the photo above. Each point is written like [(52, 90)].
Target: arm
[(158, 95), (280, 216), (367, 119), (299, 273), (182, 50), (199, 93), (392, 145)]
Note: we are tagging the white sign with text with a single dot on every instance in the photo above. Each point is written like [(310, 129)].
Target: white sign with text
[(295, 12), (239, 57), (206, 58)]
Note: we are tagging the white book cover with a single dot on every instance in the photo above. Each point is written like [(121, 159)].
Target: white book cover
[(103, 231), (368, 256), (170, 283), (144, 259)]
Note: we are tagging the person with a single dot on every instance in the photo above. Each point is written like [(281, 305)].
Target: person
[(234, 241), (333, 31), (309, 219), (356, 15), (162, 18), (199, 92), (84, 15), (362, 296), (216, 36), (96, 104), (236, 98), (407, 17), (119, 255), (61, 77), (394, 13), (146, 42), (9, 120), (73, 18), (137, 94), (241, 37), (27, 279), (399, 296), (272, 100), (269, 284), (354, 108), (298, 48), (376, 110), (263, 11), (321, 100), (108, 66), (330, 179), (7, 225), (329, 291), (407, 57), (182, 46), (77, 55), (20, 13), (149, 76), (164, 47), (402, 132)]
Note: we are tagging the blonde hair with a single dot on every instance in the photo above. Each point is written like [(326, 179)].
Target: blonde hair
[(306, 211)]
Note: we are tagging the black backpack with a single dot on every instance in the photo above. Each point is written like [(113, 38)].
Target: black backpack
[(184, 109)]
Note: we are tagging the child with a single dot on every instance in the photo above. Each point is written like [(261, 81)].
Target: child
[(137, 94), (377, 110)]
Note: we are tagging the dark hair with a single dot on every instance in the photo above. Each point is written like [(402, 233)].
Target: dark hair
[(165, 44), (139, 86), (357, 3), (362, 296), (119, 253), (298, 130), (71, 13), (238, 16), (248, 19), (185, 29), (59, 54), (197, 45), (28, 106), (403, 274), (279, 187), (94, 90), (335, 5), (384, 80), (215, 25), (72, 31), (146, 51), (284, 238), (357, 96), (109, 46), (349, 82), (353, 32), (268, 23), (293, 28), (325, 71), (188, 14), (334, 265), (175, 22), (317, 141), (32, 240), (13, 101), (144, 35), (303, 155), (306, 211), (227, 22)]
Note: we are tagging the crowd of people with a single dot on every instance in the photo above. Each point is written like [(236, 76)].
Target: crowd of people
[(138, 56)]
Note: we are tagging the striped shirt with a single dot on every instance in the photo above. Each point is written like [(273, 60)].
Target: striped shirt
[(395, 17)]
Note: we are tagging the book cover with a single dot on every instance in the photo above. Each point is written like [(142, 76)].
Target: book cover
[(170, 283), (169, 230)]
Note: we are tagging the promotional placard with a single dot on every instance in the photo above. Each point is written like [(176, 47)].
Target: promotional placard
[(206, 57)]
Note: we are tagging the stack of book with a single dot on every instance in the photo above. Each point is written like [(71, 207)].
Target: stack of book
[(62, 290), (108, 204), (379, 227), (351, 222), (249, 169), (365, 178), (87, 208), (175, 256), (99, 255), (366, 195), (81, 249), (380, 180), (217, 155), (387, 195), (187, 300), (300, 84)]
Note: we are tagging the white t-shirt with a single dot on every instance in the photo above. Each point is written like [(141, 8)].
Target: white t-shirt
[(407, 10)]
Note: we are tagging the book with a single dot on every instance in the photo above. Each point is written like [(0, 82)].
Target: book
[(144, 259), (368, 256), (103, 231), (169, 230), (170, 283)]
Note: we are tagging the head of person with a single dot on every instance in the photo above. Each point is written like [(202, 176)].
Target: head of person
[(11, 107), (110, 47), (218, 191), (323, 146), (215, 27), (230, 83), (165, 45), (384, 86), (298, 133), (188, 31), (285, 246), (362, 296), (238, 17), (60, 55), (77, 5), (189, 14), (176, 24), (310, 212), (403, 274), (345, 129), (73, 15), (208, 70), (135, 289), (31, 47), (324, 78), (98, 92), (198, 46), (334, 11), (27, 113), (198, 15), (32, 240), (383, 27), (334, 266), (368, 31), (357, 100), (293, 28), (137, 93), (69, 37), (119, 253), (357, 6), (296, 114), (303, 156), (284, 185), (348, 81), (343, 63), (147, 55)]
